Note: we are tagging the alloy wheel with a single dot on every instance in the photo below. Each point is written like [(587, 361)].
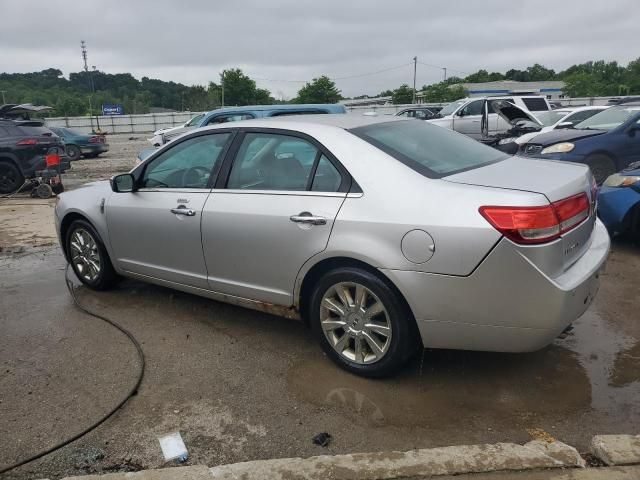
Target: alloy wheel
[(85, 256), (355, 322)]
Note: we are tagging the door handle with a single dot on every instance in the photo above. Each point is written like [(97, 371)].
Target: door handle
[(308, 218), (182, 210)]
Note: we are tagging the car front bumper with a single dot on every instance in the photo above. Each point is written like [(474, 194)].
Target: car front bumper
[(506, 304), (614, 203)]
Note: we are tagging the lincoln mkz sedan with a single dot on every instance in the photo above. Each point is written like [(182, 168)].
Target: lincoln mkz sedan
[(384, 235)]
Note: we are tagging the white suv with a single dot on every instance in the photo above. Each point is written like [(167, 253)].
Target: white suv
[(465, 115)]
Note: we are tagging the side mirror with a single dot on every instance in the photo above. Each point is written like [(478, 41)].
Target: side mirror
[(564, 125), (123, 183)]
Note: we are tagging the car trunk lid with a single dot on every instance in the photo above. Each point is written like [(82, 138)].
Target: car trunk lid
[(557, 181)]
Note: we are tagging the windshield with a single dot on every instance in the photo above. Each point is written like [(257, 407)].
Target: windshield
[(452, 107), (550, 117), (428, 149), (608, 119), (194, 121)]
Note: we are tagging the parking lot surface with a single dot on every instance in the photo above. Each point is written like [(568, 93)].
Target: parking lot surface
[(242, 385)]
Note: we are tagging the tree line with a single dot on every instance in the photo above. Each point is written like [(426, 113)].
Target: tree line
[(84, 92)]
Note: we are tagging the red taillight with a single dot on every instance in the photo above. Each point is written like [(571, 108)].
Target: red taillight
[(538, 224), (28, 141), (52, 159), (96, 139)]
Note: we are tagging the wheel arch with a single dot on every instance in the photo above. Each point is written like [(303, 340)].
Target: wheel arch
[(315, 272), (65, 223)]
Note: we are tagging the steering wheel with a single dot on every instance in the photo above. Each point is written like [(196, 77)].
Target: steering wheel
[(195, 175)]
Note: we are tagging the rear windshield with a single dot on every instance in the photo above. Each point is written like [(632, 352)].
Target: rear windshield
[(430, 150), (536, 104)]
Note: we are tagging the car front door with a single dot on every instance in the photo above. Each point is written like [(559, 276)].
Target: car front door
[(270, 213), (468, 119), (155, 230)]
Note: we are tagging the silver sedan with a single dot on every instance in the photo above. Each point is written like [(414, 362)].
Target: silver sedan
[(384, 235)]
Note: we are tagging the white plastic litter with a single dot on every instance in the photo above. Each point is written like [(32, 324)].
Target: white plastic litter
[(173, 447)]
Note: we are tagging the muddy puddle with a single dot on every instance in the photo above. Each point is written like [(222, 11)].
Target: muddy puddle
[(594, 370)]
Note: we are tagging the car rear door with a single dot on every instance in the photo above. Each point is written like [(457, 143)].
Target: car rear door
[(468, 119), (155, 230), (270, 212)]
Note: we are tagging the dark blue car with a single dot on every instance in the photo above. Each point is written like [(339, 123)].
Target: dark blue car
[(608, 142), (619, 201)]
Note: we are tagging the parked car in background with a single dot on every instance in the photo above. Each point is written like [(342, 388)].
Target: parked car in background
[(465, 115), (421, 113), (78, 144), (619, 201), (521, 121), (23, 147), (156, 140), (566, 117), (234, 114), (608, 141), (383, 234)]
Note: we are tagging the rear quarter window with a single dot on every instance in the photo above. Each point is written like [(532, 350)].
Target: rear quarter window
[(430, 150), (536, 104)]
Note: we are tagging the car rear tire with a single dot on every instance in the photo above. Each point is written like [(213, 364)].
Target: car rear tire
[(601, 166), (11, 179), (361, 323), (88, 256), (73, 152)]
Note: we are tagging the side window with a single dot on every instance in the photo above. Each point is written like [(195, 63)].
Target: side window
[(327, 177), (536, 104), (473, 108), (267, 161), (189, 164), (232, 117), (287, 113), (421, 114), (404, 114)]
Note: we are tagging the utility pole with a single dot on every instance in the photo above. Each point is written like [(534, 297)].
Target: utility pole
[(83, 48), (222, 83), (445, 73), (93, 90), (415, 67)]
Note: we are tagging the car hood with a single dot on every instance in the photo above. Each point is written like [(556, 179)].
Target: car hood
[(513, 114), (565, 135)]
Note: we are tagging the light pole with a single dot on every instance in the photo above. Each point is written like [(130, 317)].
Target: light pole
[(415, 67), (93, 91), (222, 100), (3, 99), (445, 73)]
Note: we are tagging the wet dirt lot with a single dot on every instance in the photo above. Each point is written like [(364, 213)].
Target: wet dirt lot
[(242, 385)]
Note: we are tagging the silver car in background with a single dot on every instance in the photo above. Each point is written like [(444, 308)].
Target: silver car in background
[(385, 235)]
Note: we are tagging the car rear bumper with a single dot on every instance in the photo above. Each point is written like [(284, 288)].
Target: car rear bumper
[(614, 204), (506, 304), (96, 148)]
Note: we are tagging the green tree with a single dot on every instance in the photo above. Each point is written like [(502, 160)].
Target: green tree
[(319, 90), (443, 92), (239, 89), (402, 95)]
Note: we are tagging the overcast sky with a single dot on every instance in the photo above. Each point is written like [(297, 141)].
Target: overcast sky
[(191, 41)]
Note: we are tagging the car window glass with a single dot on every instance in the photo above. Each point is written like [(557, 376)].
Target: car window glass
[(580, 116), (233, 117), (268, 161), (294, 112), (327, 177), (535, 104), (473, 108), (189, 164), (404, 114), (420, 114)]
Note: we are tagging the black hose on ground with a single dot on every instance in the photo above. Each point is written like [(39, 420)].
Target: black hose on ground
[(131, 393)]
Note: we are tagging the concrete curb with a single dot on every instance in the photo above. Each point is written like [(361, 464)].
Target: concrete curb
[(525, 459), (415, 463), (616, 449)]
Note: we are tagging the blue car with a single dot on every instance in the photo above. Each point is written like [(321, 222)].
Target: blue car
[(78, 144), (608, 141), (619, 201), (233, 114)]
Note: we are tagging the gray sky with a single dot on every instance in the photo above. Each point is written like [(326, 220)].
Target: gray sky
[(191, 41)]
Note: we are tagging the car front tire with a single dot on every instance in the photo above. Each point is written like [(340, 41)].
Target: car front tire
[(601, 166), (361, 323), (88, 256)]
